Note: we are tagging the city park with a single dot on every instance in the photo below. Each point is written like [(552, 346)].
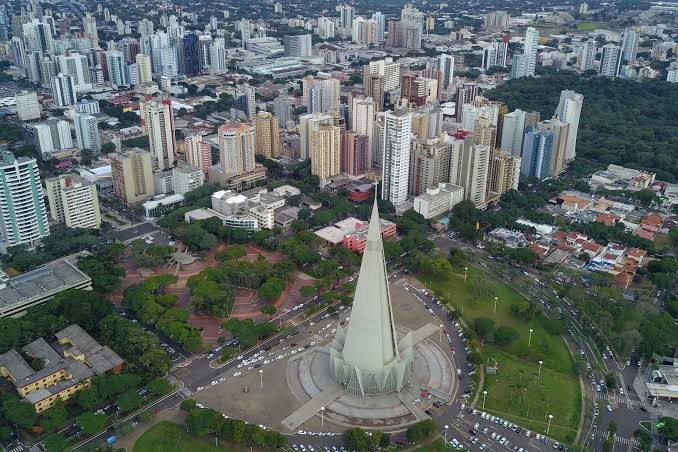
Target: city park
[(536, 384)]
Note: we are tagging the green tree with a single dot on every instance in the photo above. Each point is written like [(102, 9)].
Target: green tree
[(644, 439), (129, 401), (56, 443), (669, 428), (91, 423), (160, 386), (187, 405), (504, 335), (55, 417), (483, 326), (357, 439), (269, 309), (19, 412)]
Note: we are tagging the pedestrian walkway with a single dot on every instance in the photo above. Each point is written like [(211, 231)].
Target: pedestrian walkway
[(603, 434)]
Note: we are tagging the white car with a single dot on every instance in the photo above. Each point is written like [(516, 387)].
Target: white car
[(237, 374), (214, 383), (200, 405), (199, 388)]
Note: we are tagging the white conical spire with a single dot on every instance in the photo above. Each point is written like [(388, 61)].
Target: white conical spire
[(370, 338), (366, 357)]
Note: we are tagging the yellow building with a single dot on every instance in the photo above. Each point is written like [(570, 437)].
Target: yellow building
[(70, 363)]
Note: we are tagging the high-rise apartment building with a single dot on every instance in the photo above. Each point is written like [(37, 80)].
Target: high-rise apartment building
[(364, 31), (157, 120), (89, 25), (321, 94), (186, 178), (362, 120), (484, 131), (117, 68), (355, 153), (504, 172), (198, 153), (512, 132), (346, 15), (282, 109), (236, 148), (569, 111), (387, 68), (495, 53), (132, 173), (610, 61), (27, 106), (144, 70), (247, 98), (446, 68), (76, 65), (73, 201), (429, 165), (396, 157), (307, 124), (630, 45), (87, 133), (298, 46), (23, 216), (524, 64), (497, 21), (470, 169), (267, 135), (589, 54), (326, 151), (53, 135), (544, 149), (63, 90)]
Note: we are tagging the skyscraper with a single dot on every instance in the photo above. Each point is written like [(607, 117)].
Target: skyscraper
[(191, 54), (267, 135), (387, 68), (504, 172), (629, 45), (367, 357), (53, 135), (446, 67), (469, 167), (247, 97), (307, 124), (73, 201), (298, 45), (326, 151), (27, 105), (430, 165), (373, 87), (569, 111), (524, 64), (610, 61), (380, 19), (117, 68), (157, 120), (76, 65), (362, 120), (236, 148), (63, 90), (321, 94), (589, 54), (198, 152), (396, 159), (513, 131), (354, 153), (23, 216), (87, 133), (543, 149), (497, 21), (132, 173), (346, 15), (144, 68), (89, 24), (282, 109)]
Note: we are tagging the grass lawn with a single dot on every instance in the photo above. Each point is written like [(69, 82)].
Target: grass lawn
[(170, 437), (557, 391), (467, 300), (516, 394), (435, 446), (590, 26)]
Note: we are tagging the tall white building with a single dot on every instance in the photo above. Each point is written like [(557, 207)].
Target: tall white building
[(325, 27), (157, 120), (362, 121), (470, 169), (23, 216), (63, 90), (186, 178), (27, 106), (588, 54), (218, 61), (629, 45), (346, 15), (307, 124), (610, 61), (73, 201), (117, 68), (248, 93), (89, 24), (321, 94), (396, 159), (526, 63), (446, 68), (53, 135), (77, 66), (236, 148), (512, 132), (386, 68), (569, 111), (87, 133), (298, 46), (380, 19)]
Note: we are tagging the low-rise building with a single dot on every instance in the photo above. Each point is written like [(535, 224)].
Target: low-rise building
[(511, 239), (34, 287), (70, 364), (161, 204), (352, 233), (438, 201), (186, 178)]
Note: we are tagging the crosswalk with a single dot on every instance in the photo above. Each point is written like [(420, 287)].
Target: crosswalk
[(616, 400), (18, 448), (603, 435)]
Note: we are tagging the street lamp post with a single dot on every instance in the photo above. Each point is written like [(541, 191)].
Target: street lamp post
[(465, 273), (446, 427), (261, 378), (548, 427), (441, 334), (495, 305), (540, 363), (529, 341), (484, 397), (322, 416)]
